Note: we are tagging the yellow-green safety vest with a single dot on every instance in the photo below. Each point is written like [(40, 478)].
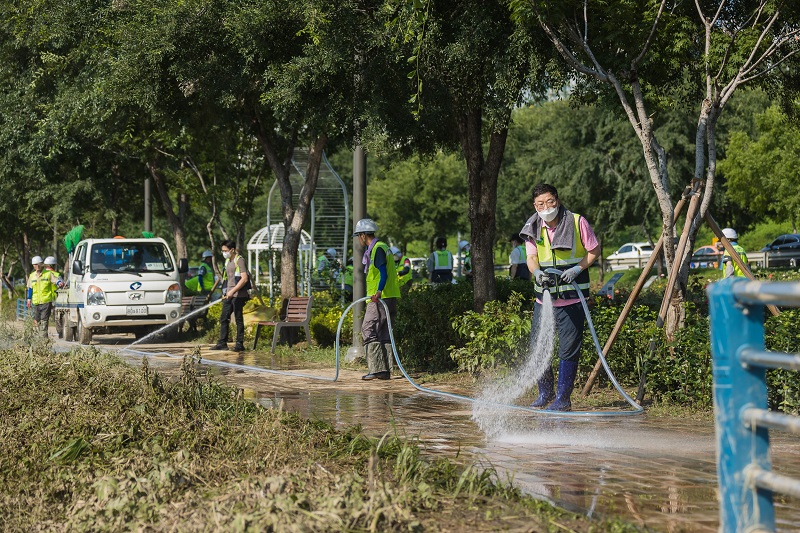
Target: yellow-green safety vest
[(44, 286), (563, 260), (739, 250), (442, 260), (193, 285), (405, 278), (392, 289)]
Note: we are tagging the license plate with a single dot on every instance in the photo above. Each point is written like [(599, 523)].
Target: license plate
[(136, 310)]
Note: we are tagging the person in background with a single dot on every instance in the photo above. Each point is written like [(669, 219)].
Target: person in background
[(465, 248), (518, 261), (557, 238), (404, 270), (381, 285), (42, 287), (440, 263), (730, 267), (50, 265), (203, 282), (347, 272), (235, 286), (328, 266)]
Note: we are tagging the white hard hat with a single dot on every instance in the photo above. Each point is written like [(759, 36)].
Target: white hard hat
[(730, 233), (36, 260), (395, 250), (50, 260), (462, 244), (331, 252), (365, 225), (207, 253)]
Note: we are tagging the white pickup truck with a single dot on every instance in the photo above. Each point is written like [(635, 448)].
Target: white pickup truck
[(119, 286)]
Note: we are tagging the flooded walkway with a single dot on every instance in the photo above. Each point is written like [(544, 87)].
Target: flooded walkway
[(658, 473)]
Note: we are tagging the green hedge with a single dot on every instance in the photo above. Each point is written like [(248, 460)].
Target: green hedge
[(678, 372)]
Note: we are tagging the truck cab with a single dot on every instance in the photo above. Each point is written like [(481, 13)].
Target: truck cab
[(119, 286)]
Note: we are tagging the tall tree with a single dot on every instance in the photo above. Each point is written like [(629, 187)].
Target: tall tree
[(647, 54), (474, 64)]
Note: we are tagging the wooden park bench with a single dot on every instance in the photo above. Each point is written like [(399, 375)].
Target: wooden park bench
[(189, 304), (298, 315)]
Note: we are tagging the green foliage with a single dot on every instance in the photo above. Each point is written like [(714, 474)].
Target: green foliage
[(782, 335), (762, 172), (324, 322), (423, 331), (493, 338)]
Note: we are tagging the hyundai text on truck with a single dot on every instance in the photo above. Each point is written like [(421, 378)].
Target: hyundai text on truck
[(119, 286)]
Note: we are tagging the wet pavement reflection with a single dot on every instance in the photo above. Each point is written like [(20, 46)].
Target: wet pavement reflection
[(658, 473)]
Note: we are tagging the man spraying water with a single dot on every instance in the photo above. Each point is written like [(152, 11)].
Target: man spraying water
[(556, 238)]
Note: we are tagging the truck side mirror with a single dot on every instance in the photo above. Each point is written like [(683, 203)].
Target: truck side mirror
[(183, 265), (77, 267)]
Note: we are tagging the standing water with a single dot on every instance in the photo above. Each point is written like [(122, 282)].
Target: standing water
[(487, 410)]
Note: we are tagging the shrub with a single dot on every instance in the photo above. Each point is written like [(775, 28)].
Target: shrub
[(423, 332), (495, 338), (324, 322)]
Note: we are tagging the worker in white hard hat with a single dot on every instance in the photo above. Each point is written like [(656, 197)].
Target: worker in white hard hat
[(328, 266), (42, 287), (50, 263), (203, 282), (382, 284), (730, 268)]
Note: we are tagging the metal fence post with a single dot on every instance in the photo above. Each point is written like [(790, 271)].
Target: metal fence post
[(734, 326)]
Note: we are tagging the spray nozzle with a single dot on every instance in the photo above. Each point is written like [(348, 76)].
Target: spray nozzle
[(551, 280)]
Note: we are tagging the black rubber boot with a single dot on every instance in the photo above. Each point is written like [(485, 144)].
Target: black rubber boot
[(546, 394), (220, 346), (567, 371)]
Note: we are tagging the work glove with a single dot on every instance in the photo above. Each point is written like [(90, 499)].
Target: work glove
[(570, 274), (539, 276)]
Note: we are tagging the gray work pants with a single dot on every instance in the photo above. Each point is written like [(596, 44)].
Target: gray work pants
[(375, 332), (41, 314)]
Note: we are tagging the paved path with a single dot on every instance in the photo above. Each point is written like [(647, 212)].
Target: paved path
[(658, 473)]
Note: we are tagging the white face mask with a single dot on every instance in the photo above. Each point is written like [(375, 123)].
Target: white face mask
[(549, 214), (226, 255)]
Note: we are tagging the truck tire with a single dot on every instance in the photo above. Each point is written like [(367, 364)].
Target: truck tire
[(82, 334), (69, 330)]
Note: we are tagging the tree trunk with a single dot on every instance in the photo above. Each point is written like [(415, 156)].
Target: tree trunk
[(293, 217), (176, 220), (482, 174)]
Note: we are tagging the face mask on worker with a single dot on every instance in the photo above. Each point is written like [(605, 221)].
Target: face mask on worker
[(226, 255), (548, 215)]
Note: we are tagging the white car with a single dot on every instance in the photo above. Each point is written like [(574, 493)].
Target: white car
[(629, 255)]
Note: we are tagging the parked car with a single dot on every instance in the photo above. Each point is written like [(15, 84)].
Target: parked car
[(629, 255), (784, 251), (705, 257)]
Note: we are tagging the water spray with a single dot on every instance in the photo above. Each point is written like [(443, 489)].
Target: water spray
[(553, 276)]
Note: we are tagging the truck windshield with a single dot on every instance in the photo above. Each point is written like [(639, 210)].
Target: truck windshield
[(130, 257)]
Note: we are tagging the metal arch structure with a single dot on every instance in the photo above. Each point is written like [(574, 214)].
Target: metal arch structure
[(329, 217), (269, 241)]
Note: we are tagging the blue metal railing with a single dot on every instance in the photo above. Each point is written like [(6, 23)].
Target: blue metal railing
[(22, 309), (742, 417)]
